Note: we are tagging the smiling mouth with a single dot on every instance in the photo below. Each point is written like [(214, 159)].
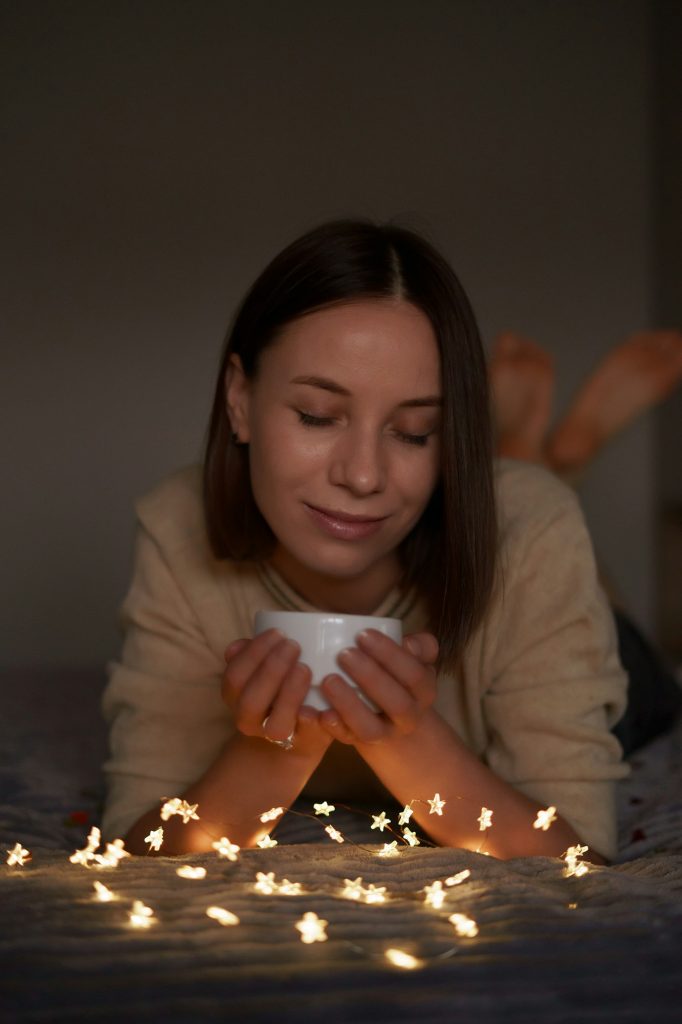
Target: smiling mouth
[(342, 525), (345, 517)]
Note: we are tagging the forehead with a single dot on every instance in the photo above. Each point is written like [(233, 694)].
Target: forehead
[(390, 339)]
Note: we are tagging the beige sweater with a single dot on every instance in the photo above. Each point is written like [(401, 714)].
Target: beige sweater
[(540, 687)]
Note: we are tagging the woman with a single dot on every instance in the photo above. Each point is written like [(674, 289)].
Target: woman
[(354, 383)]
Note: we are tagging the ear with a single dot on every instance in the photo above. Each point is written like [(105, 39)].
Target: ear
[(237, 394)]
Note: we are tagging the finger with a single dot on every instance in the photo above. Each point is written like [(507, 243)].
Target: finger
[(416, 676), (284, 712), (423, 646), (334, 727), (394, 699), (245, 662), (234, 648), (365, 725), (258, 695)]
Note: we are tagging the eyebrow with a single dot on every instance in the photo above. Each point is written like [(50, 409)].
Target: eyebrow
[(337, 389)]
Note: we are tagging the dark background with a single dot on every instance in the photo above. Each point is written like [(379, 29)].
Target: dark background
[(157, 154)]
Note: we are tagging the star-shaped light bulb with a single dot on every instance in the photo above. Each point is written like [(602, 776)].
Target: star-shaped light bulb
[(187, 871), (545, 818), (141, 916), (405, 815), (155, 838), (399, 958), (436, 805), (266, 843), (380, 821), (274, 812), (334, 834), (312, 928), (411, 837), (485, 820), (324, 808), (222, 916), (17, 856), (463, 925), (224, 848), (435, 895)]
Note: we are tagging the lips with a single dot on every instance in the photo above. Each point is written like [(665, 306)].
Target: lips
[(344, 529), (345, 517)]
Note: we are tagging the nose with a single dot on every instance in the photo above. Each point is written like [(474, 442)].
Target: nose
[(359, 462)]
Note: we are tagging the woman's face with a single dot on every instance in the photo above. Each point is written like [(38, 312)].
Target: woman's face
[(343, 416)]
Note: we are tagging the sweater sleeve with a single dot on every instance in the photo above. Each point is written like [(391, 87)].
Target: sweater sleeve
[(557, 686), (162, 700)]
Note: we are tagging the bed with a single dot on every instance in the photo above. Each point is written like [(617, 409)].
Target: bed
[(532, 942)]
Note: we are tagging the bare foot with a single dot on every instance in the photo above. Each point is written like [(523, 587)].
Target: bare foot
[(522, 384), (633, 377)]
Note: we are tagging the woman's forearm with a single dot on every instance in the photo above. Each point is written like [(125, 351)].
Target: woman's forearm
[(433, 759), (248, 777)]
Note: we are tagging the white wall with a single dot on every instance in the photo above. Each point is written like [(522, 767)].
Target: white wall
[(158, 154)]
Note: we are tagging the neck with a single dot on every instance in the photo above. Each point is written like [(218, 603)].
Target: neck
[(359, 595)]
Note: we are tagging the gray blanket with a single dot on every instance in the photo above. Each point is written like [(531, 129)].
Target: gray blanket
[(601, 947)]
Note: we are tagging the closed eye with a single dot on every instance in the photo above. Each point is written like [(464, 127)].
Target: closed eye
[(325, 421)]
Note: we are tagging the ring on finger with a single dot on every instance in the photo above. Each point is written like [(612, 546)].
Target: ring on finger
[(286, 744)]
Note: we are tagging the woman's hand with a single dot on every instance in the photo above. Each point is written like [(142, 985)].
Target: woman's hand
[(265, 679), (399, 679)]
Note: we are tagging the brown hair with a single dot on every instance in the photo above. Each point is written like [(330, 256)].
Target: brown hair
[(450, 553)]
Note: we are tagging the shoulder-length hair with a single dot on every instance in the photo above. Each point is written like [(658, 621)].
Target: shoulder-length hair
[(449, 555)]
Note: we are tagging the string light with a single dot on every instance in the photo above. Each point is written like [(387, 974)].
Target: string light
[(266, 843), (178, 806), (545, 818), (224, 848), (485, 820), (389, 849), (436, 805), (155, 839), (312, 928), (380, 821), (187, 871), (435, 895), (141, 916), (457, 879), (113, 854), (405, 815), (574, 865), (324, 808), (334, 833), (274, 812), (399, 958), (411, 837), (102, 893), (222, 916), (463, 925), (87, 854), (17, 856)]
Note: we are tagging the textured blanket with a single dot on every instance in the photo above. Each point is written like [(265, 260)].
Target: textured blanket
[(427, 934)]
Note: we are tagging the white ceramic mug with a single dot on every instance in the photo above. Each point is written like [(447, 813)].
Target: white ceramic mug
[(321, 636)]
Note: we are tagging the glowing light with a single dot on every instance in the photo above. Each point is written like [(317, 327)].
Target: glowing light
[(225, 848), (353, 890), (312, 928), (574, 865), (113, 853), (375, 893), (141, 916), (463, 925), (411, 837), (181, 807), (266, 843), (155, 839), (572, 906), (436, 805), (335, 835), (399, 958), (485, 820), (265, 884), (103, 893), (274, 812), (405, 815), (324, 808), (17, 855), (545, 818), (222, 916), (435, 895), (380, 821), (87, 854), (187, 871), (389, 849), (287, 888), (457, 879)]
